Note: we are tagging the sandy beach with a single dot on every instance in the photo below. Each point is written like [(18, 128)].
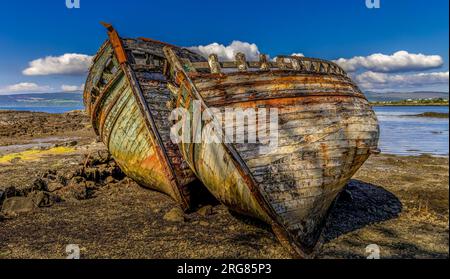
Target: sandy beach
[(67, 190)]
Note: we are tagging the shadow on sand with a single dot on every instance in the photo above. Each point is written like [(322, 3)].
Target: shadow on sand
[(358, 206), (361, 204)]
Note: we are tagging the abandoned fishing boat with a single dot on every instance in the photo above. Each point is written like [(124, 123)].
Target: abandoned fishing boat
[(125, 95), (326, 131)]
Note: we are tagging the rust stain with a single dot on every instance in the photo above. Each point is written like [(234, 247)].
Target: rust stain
[(152, 162)]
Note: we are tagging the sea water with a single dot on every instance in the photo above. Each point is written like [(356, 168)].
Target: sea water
[(402, 133)]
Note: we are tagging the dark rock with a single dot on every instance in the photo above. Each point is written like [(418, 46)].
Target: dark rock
[(77, 180), (10, 192), (117, 173), (205, 210), (79, 172), (51, 177), (72, 192), (102, 157), (91, 185), (62, 180), (43, 199), (39, 185), (104, 173), (73, 143), (92, 174), (174, 215), (54, 186), (50, 172), (17, 205)]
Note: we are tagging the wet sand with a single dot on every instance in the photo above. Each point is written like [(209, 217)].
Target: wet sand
[(398, 203)]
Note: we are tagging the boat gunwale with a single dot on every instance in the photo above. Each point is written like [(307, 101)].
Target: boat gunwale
[(198, 75)]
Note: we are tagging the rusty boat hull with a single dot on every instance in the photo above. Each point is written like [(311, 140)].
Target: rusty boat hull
[(327, 130), (125, 95)]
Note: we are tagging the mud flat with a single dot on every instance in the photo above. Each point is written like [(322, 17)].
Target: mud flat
[(58, 186)]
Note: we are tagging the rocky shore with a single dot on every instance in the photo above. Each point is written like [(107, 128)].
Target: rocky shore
[(59, 186)]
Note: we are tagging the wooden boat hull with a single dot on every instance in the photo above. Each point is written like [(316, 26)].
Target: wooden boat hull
[(327, 130), (119, 95)]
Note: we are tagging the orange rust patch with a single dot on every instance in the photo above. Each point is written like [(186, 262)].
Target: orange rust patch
[(152, 162)]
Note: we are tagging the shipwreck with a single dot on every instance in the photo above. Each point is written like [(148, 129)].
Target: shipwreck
[(326, 130), (125, 95)]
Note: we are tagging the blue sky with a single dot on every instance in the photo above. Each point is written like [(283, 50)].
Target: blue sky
[(30, 30)]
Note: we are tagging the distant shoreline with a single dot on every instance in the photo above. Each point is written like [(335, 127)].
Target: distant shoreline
[(409, 105), (431, 115)]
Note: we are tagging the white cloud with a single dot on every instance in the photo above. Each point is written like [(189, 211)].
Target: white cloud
[(293, 54), (298, 54), (372, 80), (397, 62), (24, 87), (228, 52), (72, 88), (69, 64)]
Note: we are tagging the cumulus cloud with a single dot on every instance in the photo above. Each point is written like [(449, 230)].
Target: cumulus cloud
[(72, 88), (228, 52), (24, 87), (372, 80), (68, 64), (298, 54), (397, 62)]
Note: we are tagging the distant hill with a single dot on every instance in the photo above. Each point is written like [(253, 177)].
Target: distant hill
[(399, 96), (42, 100)]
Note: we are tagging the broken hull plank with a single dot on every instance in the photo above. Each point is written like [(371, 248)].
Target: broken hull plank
[(325, 136)]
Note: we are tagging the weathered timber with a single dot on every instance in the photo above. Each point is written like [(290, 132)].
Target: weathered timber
[(124, 93), (327, 130)]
